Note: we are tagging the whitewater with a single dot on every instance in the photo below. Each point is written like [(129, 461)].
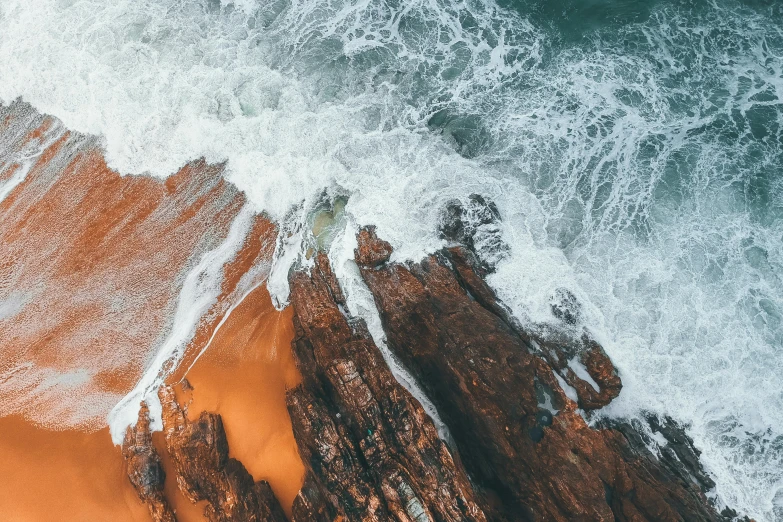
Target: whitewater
[(635, 153)]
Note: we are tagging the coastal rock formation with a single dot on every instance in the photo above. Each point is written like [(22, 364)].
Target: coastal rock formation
[(564, 357), (204, 470), (476, 225), (529, 451), (145, 469), (371, 450), (523, 450)]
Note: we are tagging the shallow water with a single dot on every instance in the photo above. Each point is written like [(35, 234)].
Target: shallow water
[(635, 152)]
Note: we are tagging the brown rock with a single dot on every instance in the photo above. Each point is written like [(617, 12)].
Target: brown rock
[(199, 451), (144, 468), (589, 353), (601, 370), (372, 452), (372, 252), (498, 399), (310, 505)]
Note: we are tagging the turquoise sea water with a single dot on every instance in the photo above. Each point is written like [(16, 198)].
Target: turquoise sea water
[(635, 150)]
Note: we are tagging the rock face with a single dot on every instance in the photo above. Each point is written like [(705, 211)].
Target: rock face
[(530, 453), (523, 451), (144, 467), (371, 450), (563, 357), (199, 451)]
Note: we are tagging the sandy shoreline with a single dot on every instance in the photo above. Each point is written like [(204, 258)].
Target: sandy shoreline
[(93, 263)]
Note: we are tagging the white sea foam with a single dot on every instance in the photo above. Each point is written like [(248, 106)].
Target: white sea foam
[(200, 291), (632, 170), (22, 160)]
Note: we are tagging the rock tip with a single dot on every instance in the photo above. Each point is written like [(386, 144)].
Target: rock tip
[(371, 251)]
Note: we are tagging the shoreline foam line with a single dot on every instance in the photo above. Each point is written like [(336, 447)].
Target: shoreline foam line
[(220, 324), (199, 292)]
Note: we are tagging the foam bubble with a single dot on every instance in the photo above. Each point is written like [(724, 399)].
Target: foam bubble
[(200, 291)]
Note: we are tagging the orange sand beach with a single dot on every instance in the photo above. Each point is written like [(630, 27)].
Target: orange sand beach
[(91, 264)]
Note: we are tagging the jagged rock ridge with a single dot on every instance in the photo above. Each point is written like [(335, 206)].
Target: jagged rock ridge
[(199, 450), (372, 452), (523, 451), (519, 435)]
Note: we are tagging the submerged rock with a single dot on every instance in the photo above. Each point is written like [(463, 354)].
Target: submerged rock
[(677, 452), (565, 306), (475, 224)]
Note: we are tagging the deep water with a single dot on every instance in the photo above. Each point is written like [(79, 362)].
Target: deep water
[(634, 149)]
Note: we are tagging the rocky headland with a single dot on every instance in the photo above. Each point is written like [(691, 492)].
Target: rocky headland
[(519, 448)]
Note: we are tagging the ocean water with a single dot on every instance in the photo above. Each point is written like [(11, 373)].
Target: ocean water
[(634, 149)]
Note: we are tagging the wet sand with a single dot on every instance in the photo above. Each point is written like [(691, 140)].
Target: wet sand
[(91, 264), (65, 476), (77, 476), (243, 376), (90, 268)]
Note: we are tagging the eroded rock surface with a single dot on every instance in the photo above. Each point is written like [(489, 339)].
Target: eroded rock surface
[(371, 450), (561, 356), (204, 470), (144, 468), (531, 454)]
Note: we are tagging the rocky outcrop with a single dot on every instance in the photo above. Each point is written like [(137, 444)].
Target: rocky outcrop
[(373, 454), (531, 454), (199, 451), (371, 451), (145, 469), (582, 353)]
